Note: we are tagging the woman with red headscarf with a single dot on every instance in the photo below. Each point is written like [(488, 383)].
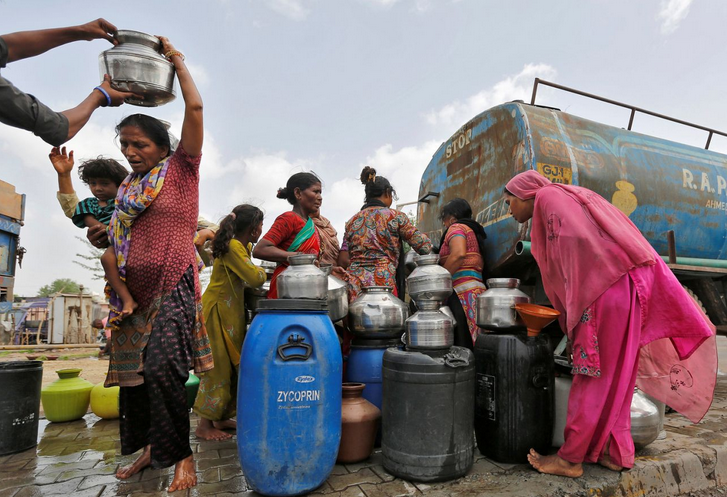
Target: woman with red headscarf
[(628, 320)]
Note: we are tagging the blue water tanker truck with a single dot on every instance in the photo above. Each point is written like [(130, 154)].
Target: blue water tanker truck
[(676, 194)]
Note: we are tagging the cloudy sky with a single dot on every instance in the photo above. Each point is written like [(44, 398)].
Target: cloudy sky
[(334, 85)]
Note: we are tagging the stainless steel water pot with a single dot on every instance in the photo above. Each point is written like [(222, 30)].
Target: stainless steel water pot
[(377, 313), (136, 65), (495, 307), (645, 420), (302, 279), (429, 281), (337, 295), (429, 328)]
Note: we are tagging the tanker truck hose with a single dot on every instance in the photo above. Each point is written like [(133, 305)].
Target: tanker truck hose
[(522, 249)]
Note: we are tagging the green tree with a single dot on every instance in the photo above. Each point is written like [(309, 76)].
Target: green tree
[(61, 285), (92, 260)]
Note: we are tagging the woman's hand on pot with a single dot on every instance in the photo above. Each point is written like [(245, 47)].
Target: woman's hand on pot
[(166, 45), (96, 235), (339, 272)]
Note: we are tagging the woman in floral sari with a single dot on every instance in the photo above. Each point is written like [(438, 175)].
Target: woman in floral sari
[(461, 253), (152, 232), (224, 316), (627, 318), (374, 238), (293, 232)]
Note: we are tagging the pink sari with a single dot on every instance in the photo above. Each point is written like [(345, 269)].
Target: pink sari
[(627, 317)]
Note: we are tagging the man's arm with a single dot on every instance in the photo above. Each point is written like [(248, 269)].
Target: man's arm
[(24, 44)]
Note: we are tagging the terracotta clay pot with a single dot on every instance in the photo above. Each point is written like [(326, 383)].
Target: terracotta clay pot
[(67, 398), (359, 424)]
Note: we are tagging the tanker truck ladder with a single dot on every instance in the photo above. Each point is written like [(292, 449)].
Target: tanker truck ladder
[(632, 108)]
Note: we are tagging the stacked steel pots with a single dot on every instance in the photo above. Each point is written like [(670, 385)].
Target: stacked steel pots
[(432, 326), (432, 378), (376, 318)]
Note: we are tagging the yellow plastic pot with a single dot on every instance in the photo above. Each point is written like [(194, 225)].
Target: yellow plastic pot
[(105, 401), (67, 398)]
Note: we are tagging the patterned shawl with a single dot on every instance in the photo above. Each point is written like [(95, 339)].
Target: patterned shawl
[(135, 194)]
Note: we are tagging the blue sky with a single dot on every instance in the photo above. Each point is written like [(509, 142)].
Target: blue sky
[(334, 85)]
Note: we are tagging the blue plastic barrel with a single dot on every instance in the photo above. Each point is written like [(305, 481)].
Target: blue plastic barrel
[(364, 366), (289, 398)]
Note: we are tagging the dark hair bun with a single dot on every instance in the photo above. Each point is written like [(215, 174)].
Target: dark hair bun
[(282, 192), (368, 174)]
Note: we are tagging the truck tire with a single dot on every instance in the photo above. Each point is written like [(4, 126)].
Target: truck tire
[(694, 297), (707, 293)]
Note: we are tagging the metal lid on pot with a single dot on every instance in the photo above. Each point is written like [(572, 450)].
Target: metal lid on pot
[(503, 283), (426, 259)]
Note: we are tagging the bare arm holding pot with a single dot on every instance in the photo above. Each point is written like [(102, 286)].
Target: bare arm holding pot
[(193, 125)]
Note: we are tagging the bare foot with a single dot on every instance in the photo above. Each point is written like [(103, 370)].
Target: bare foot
[(207, 431), (227, 424), (554, 465), (605, 460), (184, 475), (142, 462)]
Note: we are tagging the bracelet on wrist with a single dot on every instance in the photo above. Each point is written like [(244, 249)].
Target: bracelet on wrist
[(105, 94), (172, 53)]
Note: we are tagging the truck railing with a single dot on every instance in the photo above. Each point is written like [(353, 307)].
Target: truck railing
[(633, 109)]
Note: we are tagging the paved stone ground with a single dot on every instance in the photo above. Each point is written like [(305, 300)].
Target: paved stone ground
[(80, 458)]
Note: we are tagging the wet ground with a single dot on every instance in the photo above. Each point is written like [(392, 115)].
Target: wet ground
[(80, 458)]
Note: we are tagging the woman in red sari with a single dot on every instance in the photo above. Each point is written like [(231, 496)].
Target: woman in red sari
[(628, 320), (293, 232)]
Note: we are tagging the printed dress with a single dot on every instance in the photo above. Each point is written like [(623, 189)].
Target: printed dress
[(224, 316), (374, 236), (153, 350), (467, 281)]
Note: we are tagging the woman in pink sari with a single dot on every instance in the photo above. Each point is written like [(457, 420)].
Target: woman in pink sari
[(628, 321)]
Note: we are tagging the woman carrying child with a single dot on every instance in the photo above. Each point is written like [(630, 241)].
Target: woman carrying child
[(152, 232), (224, 316)]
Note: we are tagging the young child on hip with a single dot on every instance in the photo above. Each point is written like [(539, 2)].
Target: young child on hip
[(103, 177)]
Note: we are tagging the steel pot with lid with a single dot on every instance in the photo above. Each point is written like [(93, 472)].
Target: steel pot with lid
[(429, 328), (495, 307), (377, 313), (302, 279), (136, 65), (337, 295), (429, 281)]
